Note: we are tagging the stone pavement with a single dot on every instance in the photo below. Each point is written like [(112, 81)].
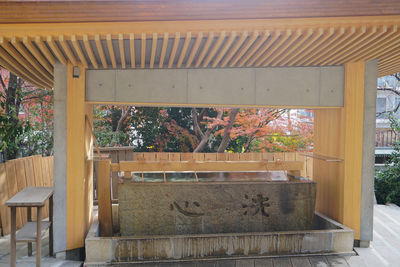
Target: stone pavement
[(384, 251), (22, 255)]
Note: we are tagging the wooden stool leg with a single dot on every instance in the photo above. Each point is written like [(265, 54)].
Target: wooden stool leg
[(29, 211), (39, 235), (13, 252), (51, 226)]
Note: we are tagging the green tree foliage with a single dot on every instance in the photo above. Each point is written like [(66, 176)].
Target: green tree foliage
[(26, 118), (387, 180)]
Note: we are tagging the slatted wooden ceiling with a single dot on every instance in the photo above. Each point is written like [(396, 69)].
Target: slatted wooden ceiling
[(199, 44)]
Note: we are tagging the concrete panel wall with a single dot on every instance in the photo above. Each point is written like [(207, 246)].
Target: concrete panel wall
[(60, 157), (367, 187), (300, 86)]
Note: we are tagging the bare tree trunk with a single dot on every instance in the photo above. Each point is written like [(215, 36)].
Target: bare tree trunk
[(207, 134), (248, 143), (227, 137), (124, 114), (12, 109), (196, 125)]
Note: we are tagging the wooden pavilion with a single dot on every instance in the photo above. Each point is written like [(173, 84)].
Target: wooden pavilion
[(322, 55)]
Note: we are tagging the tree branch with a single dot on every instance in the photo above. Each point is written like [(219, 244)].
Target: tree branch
[(397, 76), (2, 82), (124, 115), (227, 132), (196, 125), (393, 90), (207, 134)]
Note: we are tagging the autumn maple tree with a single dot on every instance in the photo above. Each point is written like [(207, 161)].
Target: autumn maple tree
[(203, 129)]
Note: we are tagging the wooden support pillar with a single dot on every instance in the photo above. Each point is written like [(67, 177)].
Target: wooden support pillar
[(88, 165), (104, 197), (339, 133), (78, 207), (354, 126)]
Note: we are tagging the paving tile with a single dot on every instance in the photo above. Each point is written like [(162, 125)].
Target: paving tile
[(318, 261), (335, 261), (245, 263), (263, 263), (225, 263), (282, 262), (206, 264), (300, 262)]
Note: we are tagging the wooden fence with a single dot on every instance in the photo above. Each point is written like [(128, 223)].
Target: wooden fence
[(386, 138), (17, 174), (118, 154)]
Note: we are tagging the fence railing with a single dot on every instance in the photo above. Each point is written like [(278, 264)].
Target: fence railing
[(119, 154), (386, 138), (17, 174)]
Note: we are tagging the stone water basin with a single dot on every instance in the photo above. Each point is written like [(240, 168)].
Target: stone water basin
[(214, 203)]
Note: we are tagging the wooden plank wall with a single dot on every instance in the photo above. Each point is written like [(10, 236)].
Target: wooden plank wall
[(17, 174), (117, 154)]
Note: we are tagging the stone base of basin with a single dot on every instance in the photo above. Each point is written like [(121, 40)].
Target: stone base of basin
[(327, 237)]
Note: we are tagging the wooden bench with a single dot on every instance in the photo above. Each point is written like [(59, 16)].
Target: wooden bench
[(31, 197)]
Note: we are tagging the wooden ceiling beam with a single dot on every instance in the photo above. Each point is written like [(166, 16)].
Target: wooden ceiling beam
[(28, 11), (78, 50), (45, 51), (122, 50), (194, 50), (14, 66), (67, 49), (260, 41), (153, 50), (132, 50), (338, 33), (328, 33), (143, 51), (100, 50), (163, 50), (277, 54), (23, 62), (234, 49), (256, 57), (88, 47), (356, 44), (194, 26), (56, 50), (182, 55), (31, 59), (35, 52), (244, 48), (111, 51), (345, 45), (204, 49), (286, 38), (224, 49), (334, 46), (214, 49), (174, 49)]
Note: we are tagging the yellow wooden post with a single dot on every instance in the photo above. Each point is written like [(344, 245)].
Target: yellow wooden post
[(76, 187), (339, 133), (354, 114), (104, 191)]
